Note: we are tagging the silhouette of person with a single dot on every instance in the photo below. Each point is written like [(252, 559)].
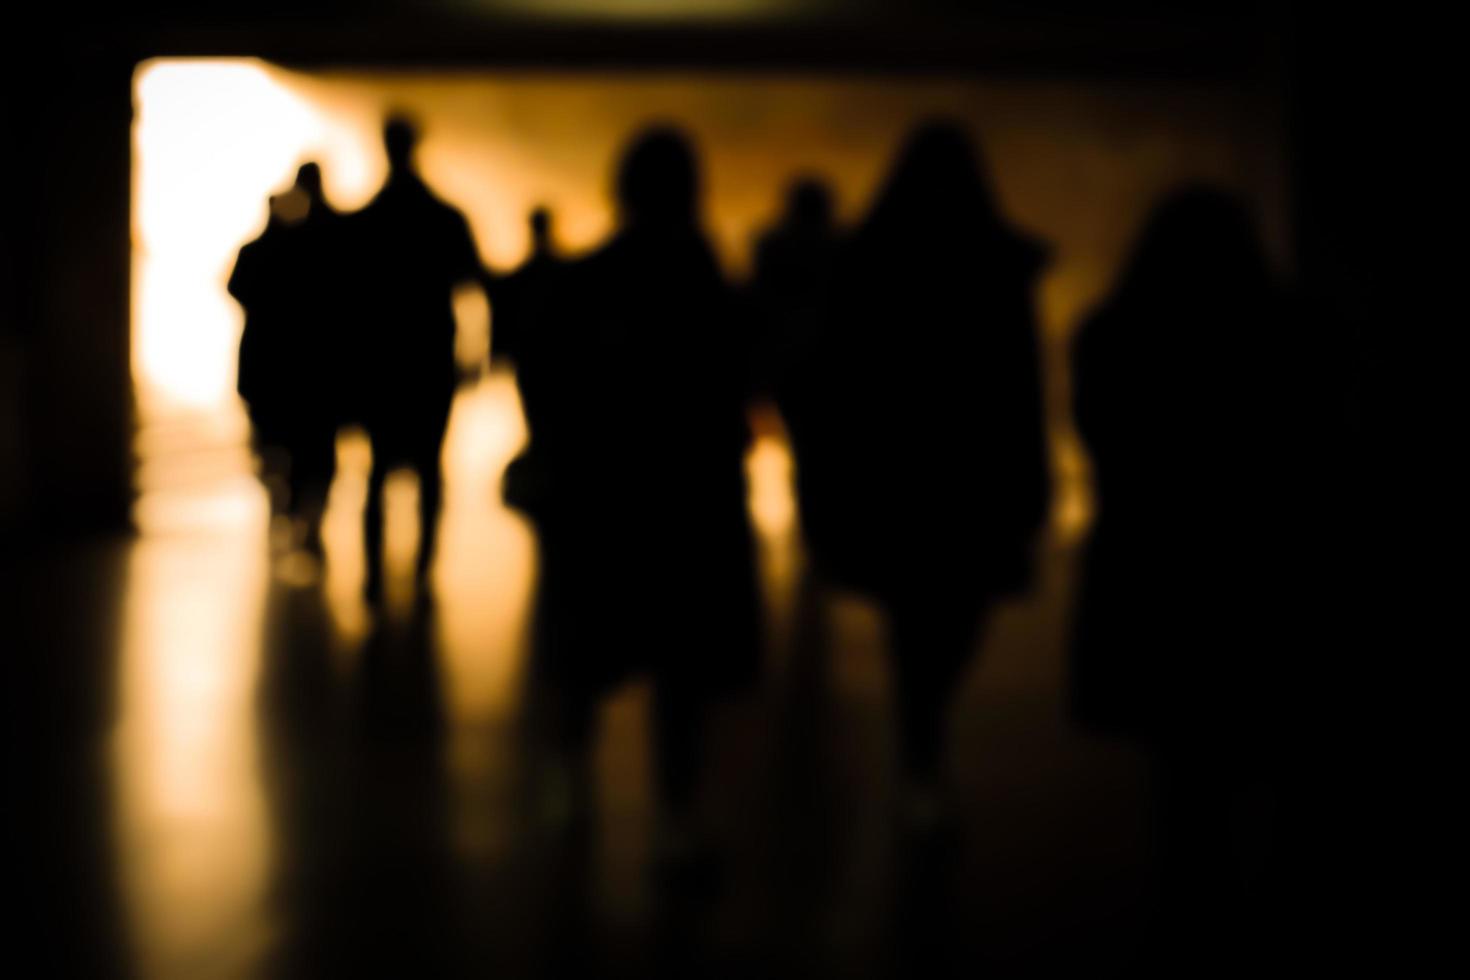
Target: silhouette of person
[(792, 280), (1187, 384), (288, 281), (647, 563), (412, 250), (517, 295), (916, 425), (255, 284), (518, 301)]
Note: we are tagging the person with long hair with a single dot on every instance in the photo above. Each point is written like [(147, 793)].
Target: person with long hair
[(1192, 396), (639, 431), (916, 421)]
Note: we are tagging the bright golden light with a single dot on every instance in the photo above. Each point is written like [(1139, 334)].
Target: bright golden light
[(212, 140), (768, 472), (1077, 165), (485, 569), (193, 841)]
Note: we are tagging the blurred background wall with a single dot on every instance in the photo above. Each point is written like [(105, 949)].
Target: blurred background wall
[(520, 106), (1076, 163)]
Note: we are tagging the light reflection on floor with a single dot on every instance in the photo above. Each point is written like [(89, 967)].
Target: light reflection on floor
[(192, 826), (220, 824), (205, 832), (192, 834)]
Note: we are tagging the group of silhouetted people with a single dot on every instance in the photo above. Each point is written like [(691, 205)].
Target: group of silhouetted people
[(902, 354), (287, 351), (349, 320)]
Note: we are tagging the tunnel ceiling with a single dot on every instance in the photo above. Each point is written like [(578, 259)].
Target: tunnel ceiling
[(1048, 36)]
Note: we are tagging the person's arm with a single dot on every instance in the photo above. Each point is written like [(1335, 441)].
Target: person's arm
[(243, 278)]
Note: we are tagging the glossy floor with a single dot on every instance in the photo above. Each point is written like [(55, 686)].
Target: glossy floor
[(251, 774)]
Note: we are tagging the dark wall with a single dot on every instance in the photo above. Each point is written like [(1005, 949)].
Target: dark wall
[(66, 416)]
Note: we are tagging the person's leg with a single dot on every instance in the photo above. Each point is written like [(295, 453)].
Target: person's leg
[(678, 731), (372, 528), (431, 498), (563, 699), (318, 466), (932, 644), (679, 721), (807, 659), (567, 721)]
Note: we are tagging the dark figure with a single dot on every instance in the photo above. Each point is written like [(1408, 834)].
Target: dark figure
[(638, 421), (794, 264), (289, 281), (1187, 384), (518, 296), (922, 474), (518, 301), (413, 250)]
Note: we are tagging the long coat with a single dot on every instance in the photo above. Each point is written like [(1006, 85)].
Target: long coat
[(1191, 399), (634, 392), (917, 418)]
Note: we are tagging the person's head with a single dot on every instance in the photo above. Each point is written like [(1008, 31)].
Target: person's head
[(400, 137), (809, 203), (540, 222), (309, 181), (658, 179), (1201, 242), (939, 178)]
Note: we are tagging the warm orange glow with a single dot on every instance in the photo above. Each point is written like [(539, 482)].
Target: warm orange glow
[(768, 469), (192, 827), (212, 138), (1077, 165)]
